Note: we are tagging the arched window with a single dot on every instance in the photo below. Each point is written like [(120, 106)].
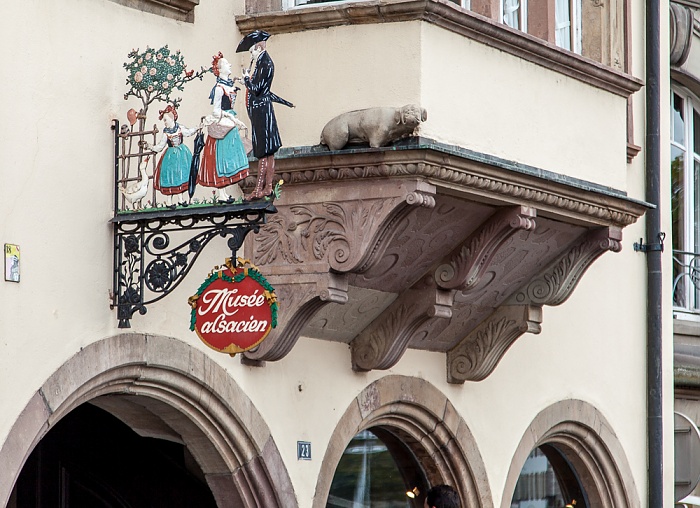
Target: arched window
[(377, 469), (685, 200), (547, 480)]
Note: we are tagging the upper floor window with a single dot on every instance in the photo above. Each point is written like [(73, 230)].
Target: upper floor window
[(514, 14), (557, 21), (685, 200), (567, 24)]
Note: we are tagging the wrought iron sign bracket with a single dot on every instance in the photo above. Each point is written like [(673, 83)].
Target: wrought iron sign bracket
[(154, 251)]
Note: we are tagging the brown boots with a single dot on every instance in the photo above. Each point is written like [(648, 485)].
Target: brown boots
[(266, 176)]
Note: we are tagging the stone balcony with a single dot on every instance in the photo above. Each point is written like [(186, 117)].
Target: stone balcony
[(426, 246)]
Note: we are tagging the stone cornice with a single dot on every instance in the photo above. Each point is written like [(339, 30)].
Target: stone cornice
[(463, 172), (447, 15), (182, 10)]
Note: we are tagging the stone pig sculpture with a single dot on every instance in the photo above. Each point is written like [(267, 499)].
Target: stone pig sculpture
[(378, 126)]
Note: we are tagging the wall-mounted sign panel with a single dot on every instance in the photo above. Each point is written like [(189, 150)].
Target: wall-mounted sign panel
[(234, 309), (11, 262)]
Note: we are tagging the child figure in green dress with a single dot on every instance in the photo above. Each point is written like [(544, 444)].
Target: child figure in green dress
[(172, 173)]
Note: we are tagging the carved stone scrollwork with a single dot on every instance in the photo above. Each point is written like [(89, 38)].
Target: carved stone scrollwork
[(298, 303), (472, 260), (558, 281), (477, 355), (681, 24), (345, 236), (309, 250), (384, 342)]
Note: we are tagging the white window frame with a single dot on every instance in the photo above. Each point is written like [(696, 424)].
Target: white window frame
[(573, 22), (691, 156), (522, 14)]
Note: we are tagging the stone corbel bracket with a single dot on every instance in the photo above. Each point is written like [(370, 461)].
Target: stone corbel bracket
[(478, 354), (298, 303), (467, 266), (382, 344), (385, 340), (558, 281), (347, 234)]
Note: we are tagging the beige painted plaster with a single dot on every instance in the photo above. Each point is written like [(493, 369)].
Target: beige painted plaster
[(55, 201)]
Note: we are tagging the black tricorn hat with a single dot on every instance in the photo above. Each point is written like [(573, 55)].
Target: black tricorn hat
[(251, 40)]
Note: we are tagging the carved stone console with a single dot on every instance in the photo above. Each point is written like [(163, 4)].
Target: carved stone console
[(426, 246)]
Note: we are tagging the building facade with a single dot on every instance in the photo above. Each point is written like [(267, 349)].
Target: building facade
[(462, 306)]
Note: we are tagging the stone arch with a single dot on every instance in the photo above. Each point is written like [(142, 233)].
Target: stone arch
[(425, 420), (162, 387), (582, 434)]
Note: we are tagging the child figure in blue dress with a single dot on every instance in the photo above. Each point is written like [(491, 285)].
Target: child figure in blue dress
[(172, 173), (224, 159)]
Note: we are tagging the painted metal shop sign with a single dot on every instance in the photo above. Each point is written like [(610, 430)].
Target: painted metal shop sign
[(234, 309)]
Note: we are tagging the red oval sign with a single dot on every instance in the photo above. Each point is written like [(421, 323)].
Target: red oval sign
[(234, 310)]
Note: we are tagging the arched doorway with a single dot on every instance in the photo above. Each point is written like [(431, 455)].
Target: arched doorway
[(92, 459), (162, 388), (426, 439), (571, 445)]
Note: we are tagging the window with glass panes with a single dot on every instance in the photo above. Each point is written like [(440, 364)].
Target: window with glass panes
[(685, 200), (567, 29), (514, 14)]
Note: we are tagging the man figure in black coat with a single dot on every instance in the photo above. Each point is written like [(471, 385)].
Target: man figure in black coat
[(266, 136)]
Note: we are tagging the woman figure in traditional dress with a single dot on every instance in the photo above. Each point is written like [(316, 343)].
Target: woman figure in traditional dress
[(224, 159), (172, 173)]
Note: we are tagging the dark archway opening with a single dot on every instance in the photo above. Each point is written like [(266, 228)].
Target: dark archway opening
[(90, 459)]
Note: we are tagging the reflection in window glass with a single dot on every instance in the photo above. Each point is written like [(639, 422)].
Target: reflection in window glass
[(548, 481), (368, 476), (678, 122)]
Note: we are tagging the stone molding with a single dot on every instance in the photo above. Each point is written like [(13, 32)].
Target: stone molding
[(182, 10), (213, 417), (479, 175), (451, 17), (428, 425), (583, 435)]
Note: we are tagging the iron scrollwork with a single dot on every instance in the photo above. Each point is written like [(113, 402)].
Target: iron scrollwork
[(150, 261), (156, 246)]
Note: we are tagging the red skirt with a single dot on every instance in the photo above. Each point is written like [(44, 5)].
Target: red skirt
[(208, 176)]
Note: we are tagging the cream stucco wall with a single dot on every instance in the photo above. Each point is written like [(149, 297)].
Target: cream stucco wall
[(65, 84), (477, 97), (65, 88)]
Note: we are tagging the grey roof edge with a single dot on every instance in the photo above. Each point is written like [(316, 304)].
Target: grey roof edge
[(421, 143)]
